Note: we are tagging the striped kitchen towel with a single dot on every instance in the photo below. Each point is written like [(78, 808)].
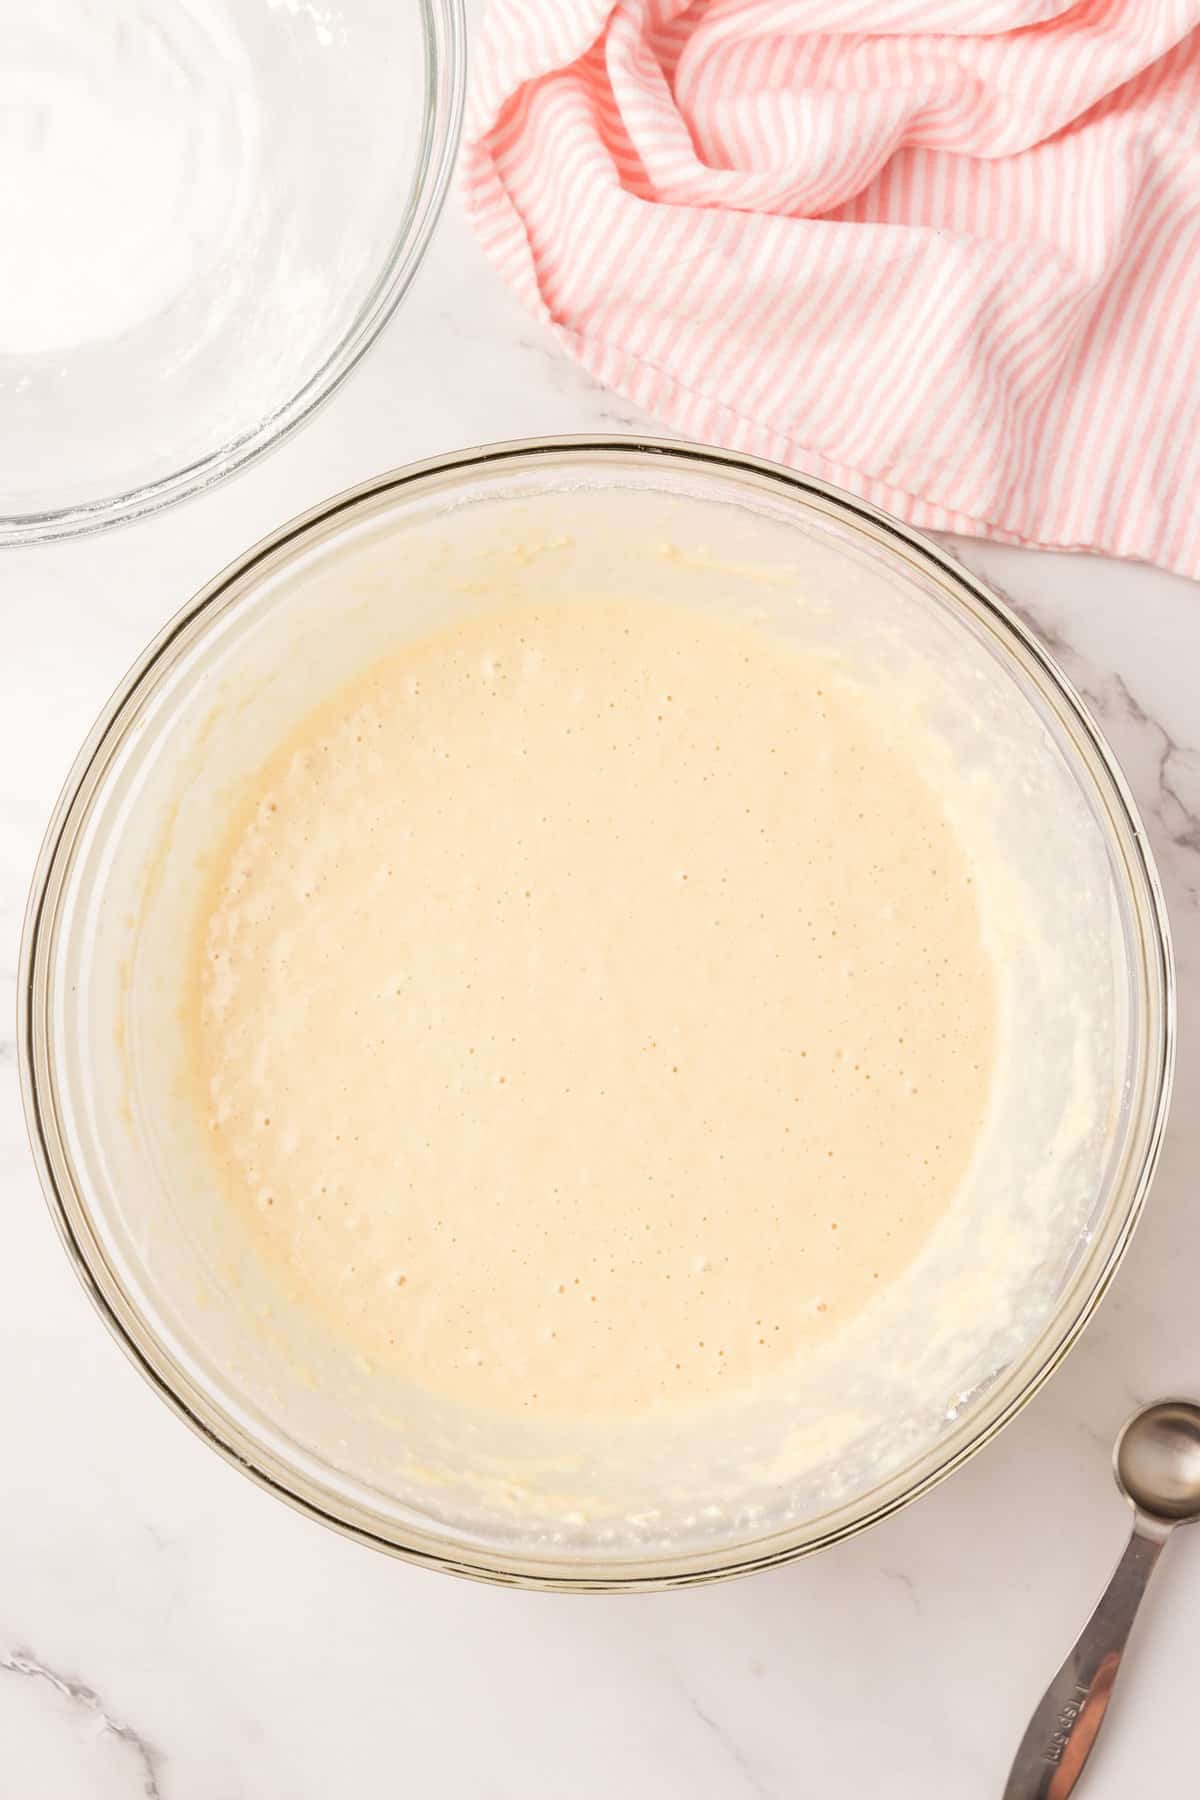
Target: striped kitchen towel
[(944, 253)]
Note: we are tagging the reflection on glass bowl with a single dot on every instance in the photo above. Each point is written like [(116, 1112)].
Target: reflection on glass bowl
[(209, 210)]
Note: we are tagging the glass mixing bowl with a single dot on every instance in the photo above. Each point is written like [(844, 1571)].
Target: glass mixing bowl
[(209, 210), (1084, 1093)]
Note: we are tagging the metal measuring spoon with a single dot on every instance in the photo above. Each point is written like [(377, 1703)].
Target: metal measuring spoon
[(1156, 1464)]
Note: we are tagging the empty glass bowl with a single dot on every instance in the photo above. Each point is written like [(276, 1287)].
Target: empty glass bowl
[(209, 210)]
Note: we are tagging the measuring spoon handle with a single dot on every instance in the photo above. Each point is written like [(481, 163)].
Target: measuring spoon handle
[(1062, 1731)]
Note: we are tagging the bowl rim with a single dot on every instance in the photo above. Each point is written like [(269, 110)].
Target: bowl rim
[(445, 85), (195, 1405)]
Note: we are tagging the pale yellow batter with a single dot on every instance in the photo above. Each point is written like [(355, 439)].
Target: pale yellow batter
[(591, 1009)]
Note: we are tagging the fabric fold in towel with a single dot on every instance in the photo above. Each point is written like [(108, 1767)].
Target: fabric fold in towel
[(944, 253)]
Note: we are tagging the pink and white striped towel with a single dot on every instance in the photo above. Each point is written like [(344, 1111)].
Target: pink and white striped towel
[(945, 253)]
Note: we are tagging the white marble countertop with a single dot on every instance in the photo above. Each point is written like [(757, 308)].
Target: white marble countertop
[(168, 1630)]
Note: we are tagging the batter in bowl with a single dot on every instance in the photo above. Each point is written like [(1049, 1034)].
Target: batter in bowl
[(591, 1009)]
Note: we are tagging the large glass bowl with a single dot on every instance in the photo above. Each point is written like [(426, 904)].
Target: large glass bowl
[(217, 689), (209, 210)]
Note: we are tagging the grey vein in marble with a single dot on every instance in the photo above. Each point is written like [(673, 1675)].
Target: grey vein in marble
[(1177, 816), (736, 1756), (149, 1759), (569, 376), (907, 1583)]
